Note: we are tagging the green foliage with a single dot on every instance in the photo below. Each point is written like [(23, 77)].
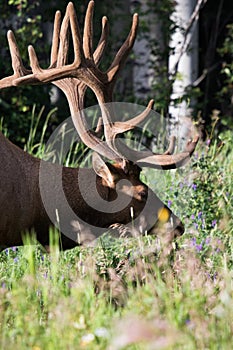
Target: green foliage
[(177, 295), (226, 92), (16, 104), (89, 297)]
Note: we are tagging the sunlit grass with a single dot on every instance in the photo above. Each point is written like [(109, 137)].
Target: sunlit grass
[(114, 294)]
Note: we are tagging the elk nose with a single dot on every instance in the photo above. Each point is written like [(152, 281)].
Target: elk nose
[(179, 228)]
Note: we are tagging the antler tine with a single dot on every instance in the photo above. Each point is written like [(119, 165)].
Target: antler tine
[(34, 63), (64, 39), (167, 161), (97, 56), (102, 42), (59, 52), (60, 44), (123, 52), (171, 146), (164, 161), (17, 64), (88, 32), (55, 40), (76, 36), (112, 129), (120, 127)]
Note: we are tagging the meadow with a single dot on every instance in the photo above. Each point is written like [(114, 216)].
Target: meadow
[(133, 293)]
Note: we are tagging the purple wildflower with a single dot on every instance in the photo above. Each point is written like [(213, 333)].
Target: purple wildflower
[(169, 203), (193, 241), (193, 217), (199, 247), (214, 222), (194, 187), (199, 215), (208, 142)]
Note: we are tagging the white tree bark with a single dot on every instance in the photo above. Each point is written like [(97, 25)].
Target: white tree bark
[(186, 55)]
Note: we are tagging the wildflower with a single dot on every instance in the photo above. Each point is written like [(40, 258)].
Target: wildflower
[(193, 241), (195, 225), (16, 259), (199, 247), (87, 339), (181, 185), (214, 222), (81, 323), (199, 215), (169, 203), (194, 187), (101, 332), (208, 142), (192, 216), (207, 241)]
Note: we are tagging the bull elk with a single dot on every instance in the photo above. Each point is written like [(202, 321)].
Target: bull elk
[(25, 193)]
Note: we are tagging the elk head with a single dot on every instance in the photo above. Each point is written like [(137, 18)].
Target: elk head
[(110, 184)]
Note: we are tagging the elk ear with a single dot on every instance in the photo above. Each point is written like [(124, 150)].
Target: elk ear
[(102, 170)]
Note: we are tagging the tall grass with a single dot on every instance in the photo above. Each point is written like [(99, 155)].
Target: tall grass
[(133, 293)]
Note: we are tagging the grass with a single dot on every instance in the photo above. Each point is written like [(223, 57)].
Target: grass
[(133, 293)]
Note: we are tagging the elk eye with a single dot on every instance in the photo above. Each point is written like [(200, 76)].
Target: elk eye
[(163, 215), (143, 194)]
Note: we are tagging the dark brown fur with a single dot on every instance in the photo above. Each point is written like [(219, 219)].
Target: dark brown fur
[(22, 208)]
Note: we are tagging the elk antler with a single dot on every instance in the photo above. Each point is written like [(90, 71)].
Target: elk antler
[(73, 78), (17, 64)]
